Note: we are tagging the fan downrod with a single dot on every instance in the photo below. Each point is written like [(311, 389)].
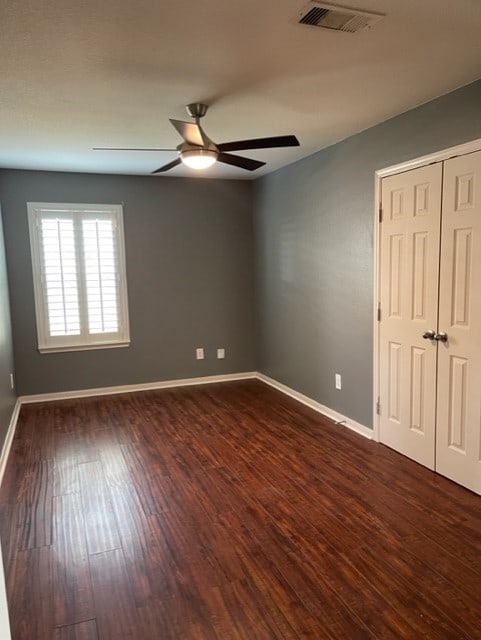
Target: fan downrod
[(197, 110)]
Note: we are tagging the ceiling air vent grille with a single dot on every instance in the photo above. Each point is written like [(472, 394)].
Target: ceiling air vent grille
[(313, 16), (329, 16)]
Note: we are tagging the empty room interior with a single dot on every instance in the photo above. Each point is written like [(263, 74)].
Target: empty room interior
[(240, 271)]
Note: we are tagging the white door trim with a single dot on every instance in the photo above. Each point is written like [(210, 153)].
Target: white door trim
[(438, 156)]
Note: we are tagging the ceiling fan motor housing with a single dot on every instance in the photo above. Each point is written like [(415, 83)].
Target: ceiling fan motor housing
[(196, 109), (208, 146)]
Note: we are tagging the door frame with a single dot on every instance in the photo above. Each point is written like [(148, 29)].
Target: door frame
[(438, 156)]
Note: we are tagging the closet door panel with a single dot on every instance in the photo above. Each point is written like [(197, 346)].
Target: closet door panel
[(458, 439), (410, 239)]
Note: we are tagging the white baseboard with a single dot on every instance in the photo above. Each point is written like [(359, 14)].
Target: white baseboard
[(184, 382), (343, 421), (9, 439), (131, 388)]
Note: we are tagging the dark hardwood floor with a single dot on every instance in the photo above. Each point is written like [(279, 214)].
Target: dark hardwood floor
[(228, 512)]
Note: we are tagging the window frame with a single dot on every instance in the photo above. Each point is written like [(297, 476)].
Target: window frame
[(84, 340)]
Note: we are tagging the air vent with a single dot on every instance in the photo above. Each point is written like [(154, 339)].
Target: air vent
[(329, 16)]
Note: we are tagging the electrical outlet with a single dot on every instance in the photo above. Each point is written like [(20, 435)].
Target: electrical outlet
[(199, 353), (220, 354), (338, 381), (12, 382)]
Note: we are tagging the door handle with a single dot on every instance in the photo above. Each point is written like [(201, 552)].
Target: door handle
[(441, 336), (430, 335)]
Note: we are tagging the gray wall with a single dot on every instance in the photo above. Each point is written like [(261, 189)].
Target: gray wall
[(315, 251), (189, 250), (7, 396), (189, 246)]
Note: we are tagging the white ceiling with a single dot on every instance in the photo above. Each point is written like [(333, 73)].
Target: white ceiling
[(76, 74)]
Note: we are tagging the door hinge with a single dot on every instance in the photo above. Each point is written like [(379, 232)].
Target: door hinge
[(378, 407), (379, 312), (380, 213)]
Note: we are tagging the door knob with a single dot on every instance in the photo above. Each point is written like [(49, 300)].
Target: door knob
[(441, 336), (430, 335)]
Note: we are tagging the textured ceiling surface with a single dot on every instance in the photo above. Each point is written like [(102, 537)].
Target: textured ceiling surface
[(78, 74)]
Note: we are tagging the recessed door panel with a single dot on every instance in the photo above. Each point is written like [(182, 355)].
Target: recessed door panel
[(396, 209), (458, 377), (396, 242), (421, 199), (395, 353), (419, 268), (461, 284), (418, 387)]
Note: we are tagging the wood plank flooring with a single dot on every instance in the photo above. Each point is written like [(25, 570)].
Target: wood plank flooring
[(228, 512)]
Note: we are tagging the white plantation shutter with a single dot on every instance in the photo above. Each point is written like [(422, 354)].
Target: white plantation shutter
[(79, 276), (59, 276), (100, 276)]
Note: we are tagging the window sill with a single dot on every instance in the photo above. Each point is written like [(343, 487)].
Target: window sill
[(85, 347)]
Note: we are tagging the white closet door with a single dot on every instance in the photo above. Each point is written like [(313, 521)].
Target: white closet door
[(458, 442), (410, 237)]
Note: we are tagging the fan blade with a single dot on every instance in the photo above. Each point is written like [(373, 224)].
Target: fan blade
[(192, 133), (127, 149), (260, 143), (168, 166), (238, 161)]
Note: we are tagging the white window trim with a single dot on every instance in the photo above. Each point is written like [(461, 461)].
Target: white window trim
[(53, 344)]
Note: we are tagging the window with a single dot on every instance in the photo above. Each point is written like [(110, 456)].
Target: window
[(79, 278)]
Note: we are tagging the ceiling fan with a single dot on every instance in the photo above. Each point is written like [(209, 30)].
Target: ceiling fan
[(198, 151)]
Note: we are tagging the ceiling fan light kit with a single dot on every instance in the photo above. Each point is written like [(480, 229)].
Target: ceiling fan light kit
[(198, 151), (198, 158)]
